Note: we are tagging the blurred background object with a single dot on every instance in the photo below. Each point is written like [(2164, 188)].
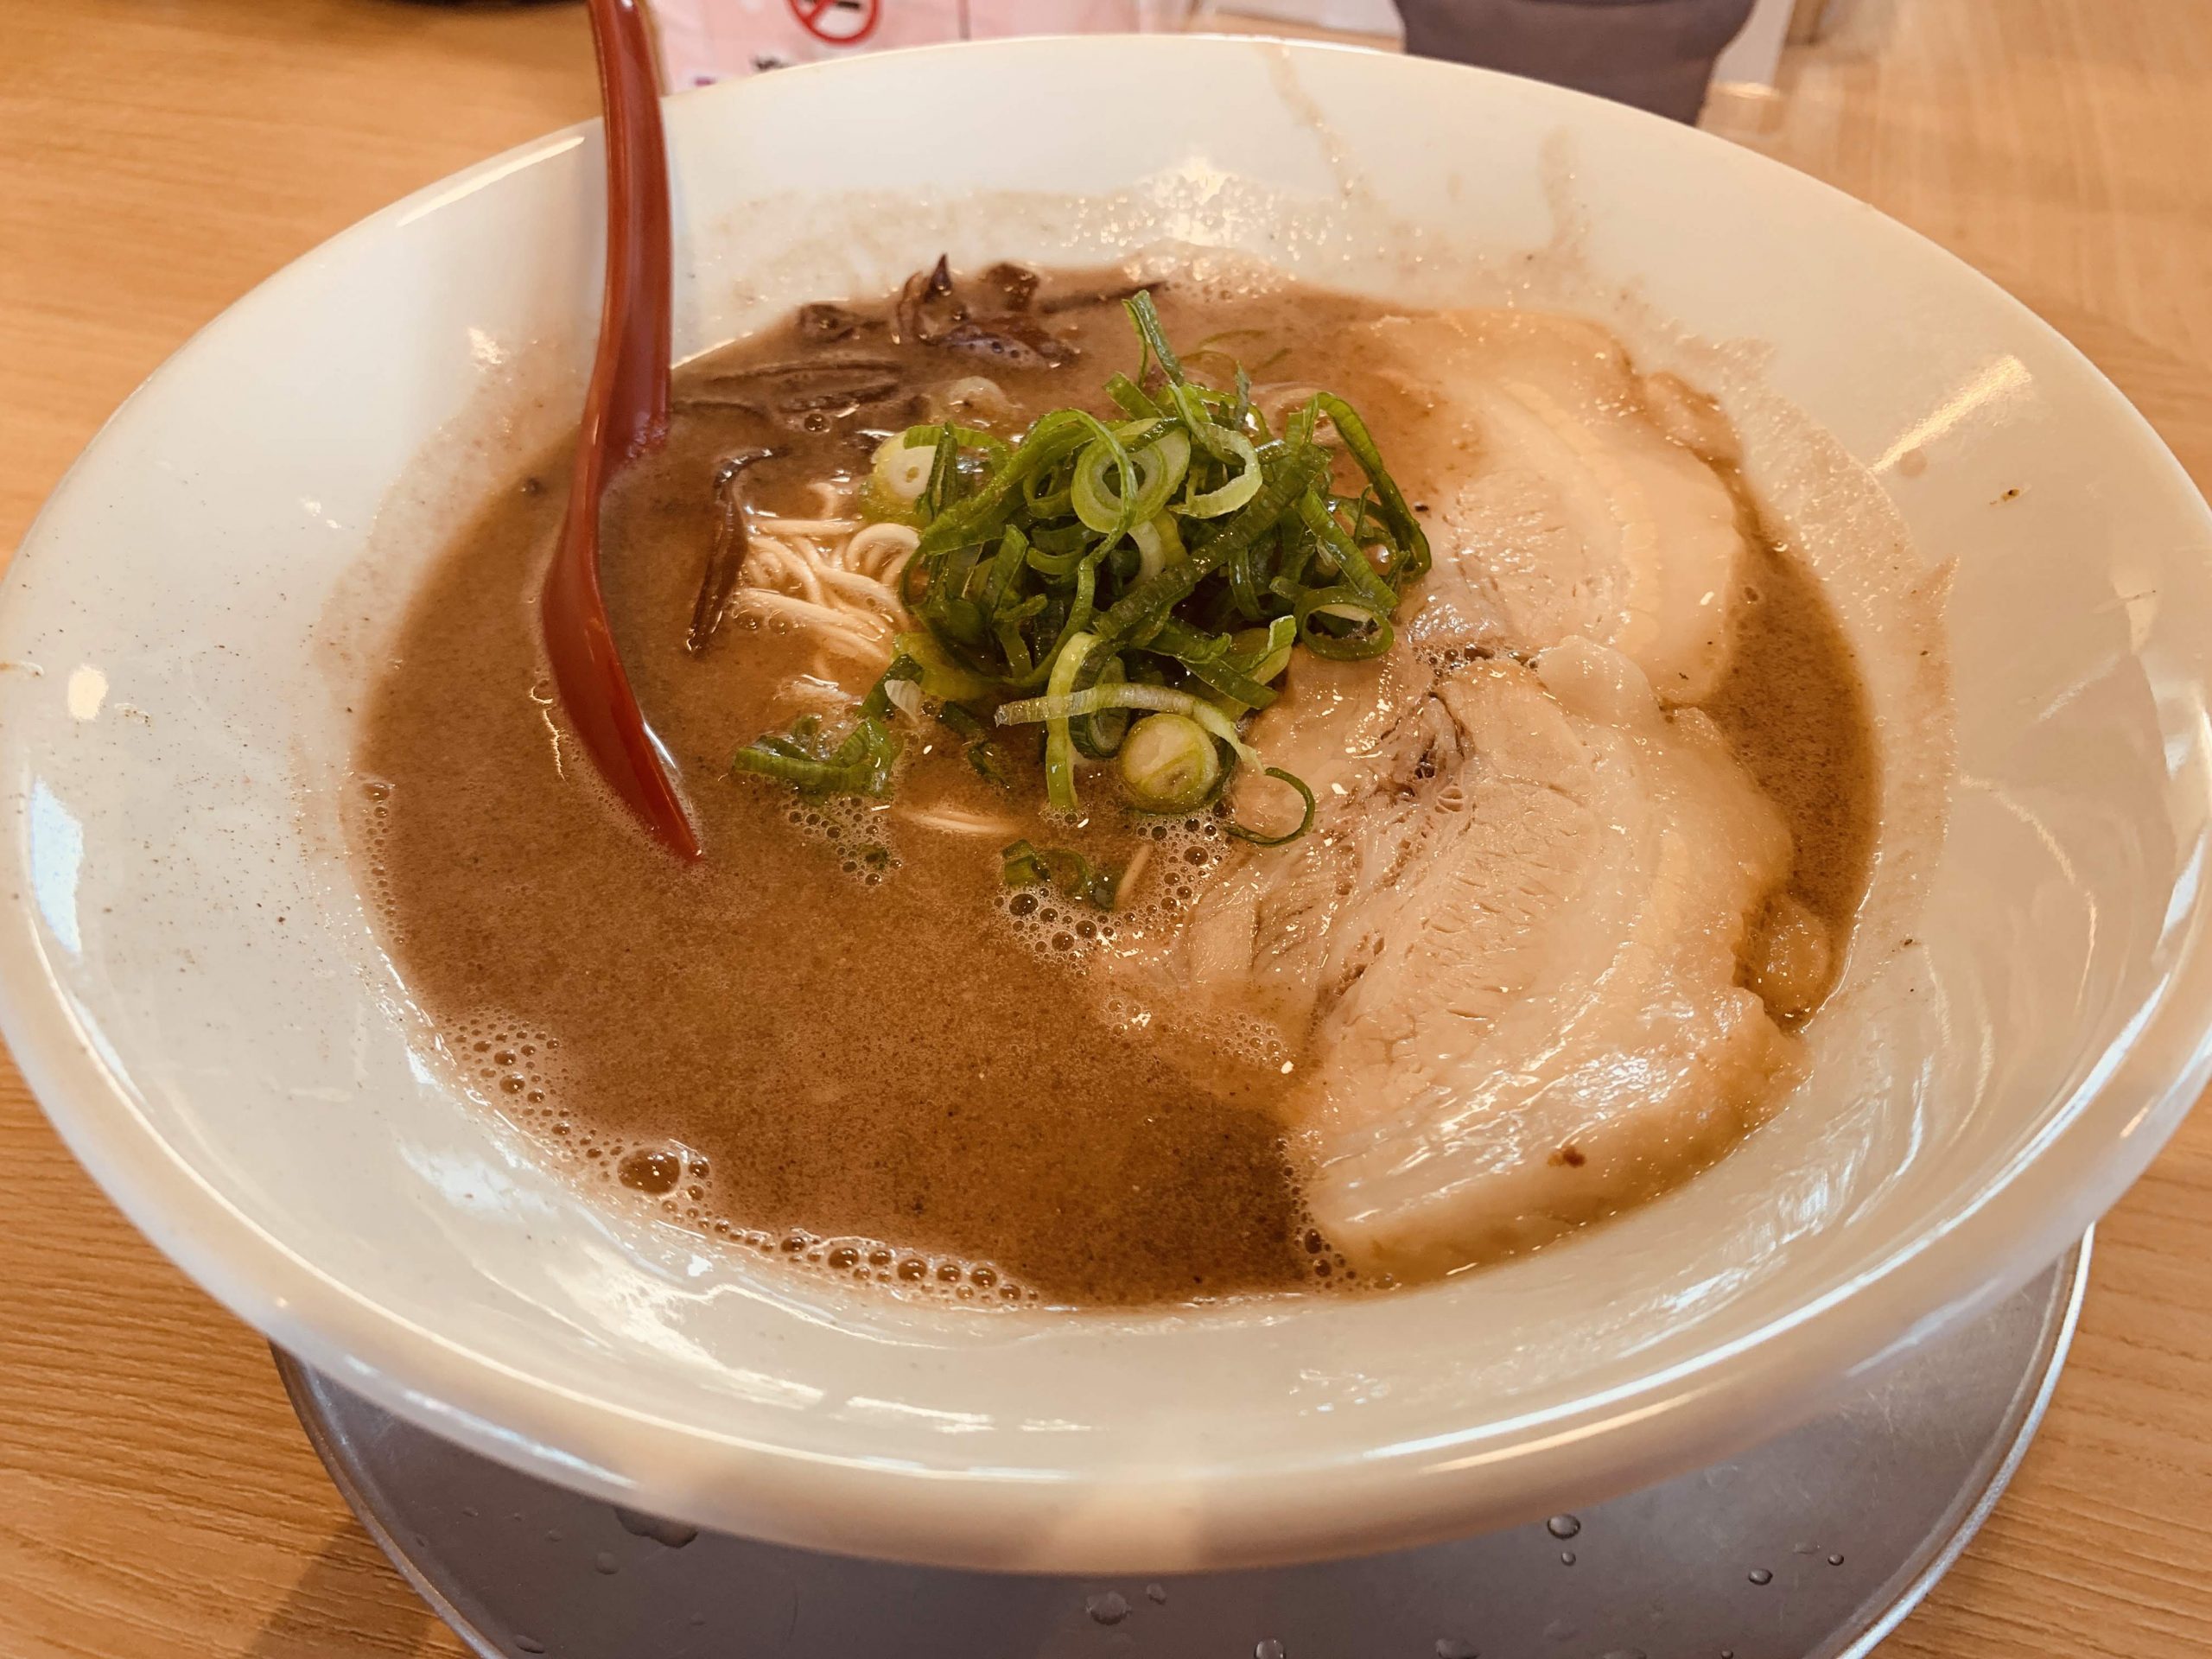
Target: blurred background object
[(1751, 61), (1359, 22), (1808, 21), (1656, 55), (705, 41)]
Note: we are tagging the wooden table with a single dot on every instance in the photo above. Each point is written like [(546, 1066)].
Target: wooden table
[(157, 157)]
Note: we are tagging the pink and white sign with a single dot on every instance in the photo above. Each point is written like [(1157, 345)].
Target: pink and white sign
[(705, 41)]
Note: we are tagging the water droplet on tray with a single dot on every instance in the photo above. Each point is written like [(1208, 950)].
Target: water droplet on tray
[(1836, 1561), (1563, 1526), (1760, 1575), (1451, 1648), (605, 1562), (674, 1533), (1157, 1593), (1566, 1558), (1269, 1649), (1109, 1609), (527, 1644)]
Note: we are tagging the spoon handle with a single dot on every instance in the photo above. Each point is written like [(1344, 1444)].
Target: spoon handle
[(625, 414)]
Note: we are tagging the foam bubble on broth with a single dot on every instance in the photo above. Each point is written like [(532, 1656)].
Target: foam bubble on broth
[(864, 846), (517, 1069)]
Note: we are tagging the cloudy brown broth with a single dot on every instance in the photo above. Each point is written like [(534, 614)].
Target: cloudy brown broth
[(833, 1039)]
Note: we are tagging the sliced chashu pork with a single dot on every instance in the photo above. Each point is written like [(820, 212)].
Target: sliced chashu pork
[(1509, 952), (1560, 501)]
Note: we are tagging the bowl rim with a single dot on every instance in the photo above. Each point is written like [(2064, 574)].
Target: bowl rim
[(1382, 1494)]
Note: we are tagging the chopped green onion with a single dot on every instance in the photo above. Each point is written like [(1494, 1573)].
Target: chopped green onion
[(1268, 649), (1071, 873), (1078, 618), (1006, 565), (1098, 735), (944, 474), (1401, 519), (1059, 555), (1210, 660), (1108, 513), (1162, 459), (1241, 488), (1351, 562), (861, 765), (996, 448), (1370, 634), (1146, 316), (1050, 440), (1131, 395), (1169, 764), (938, 674), (1255, 837), (1135, 585), (902, 473), (1141, 610), (1156, 544), (1161, 699), (1029, 711), (1059, 747)]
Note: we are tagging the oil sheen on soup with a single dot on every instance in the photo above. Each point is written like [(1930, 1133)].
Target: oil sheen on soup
[(1585, 843)]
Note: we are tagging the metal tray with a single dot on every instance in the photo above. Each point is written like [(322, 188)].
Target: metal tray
[(1813, 1547)]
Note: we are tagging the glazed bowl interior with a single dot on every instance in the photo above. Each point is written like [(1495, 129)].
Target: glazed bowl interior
[(193, 985)]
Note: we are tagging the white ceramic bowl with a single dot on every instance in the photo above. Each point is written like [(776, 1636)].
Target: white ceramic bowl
[(191, 986)]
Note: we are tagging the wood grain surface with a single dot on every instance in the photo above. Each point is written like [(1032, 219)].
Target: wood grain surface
[(158, 157)]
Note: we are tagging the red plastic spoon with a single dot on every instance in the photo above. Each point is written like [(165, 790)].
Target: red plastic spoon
[(625, 414)]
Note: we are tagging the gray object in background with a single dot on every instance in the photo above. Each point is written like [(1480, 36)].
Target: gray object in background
[(1656, 55)]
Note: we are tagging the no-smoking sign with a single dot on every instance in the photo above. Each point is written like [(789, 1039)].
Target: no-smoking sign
[(841, 23)]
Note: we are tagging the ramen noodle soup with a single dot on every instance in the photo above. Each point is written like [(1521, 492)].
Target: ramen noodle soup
[(1218, 790)]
